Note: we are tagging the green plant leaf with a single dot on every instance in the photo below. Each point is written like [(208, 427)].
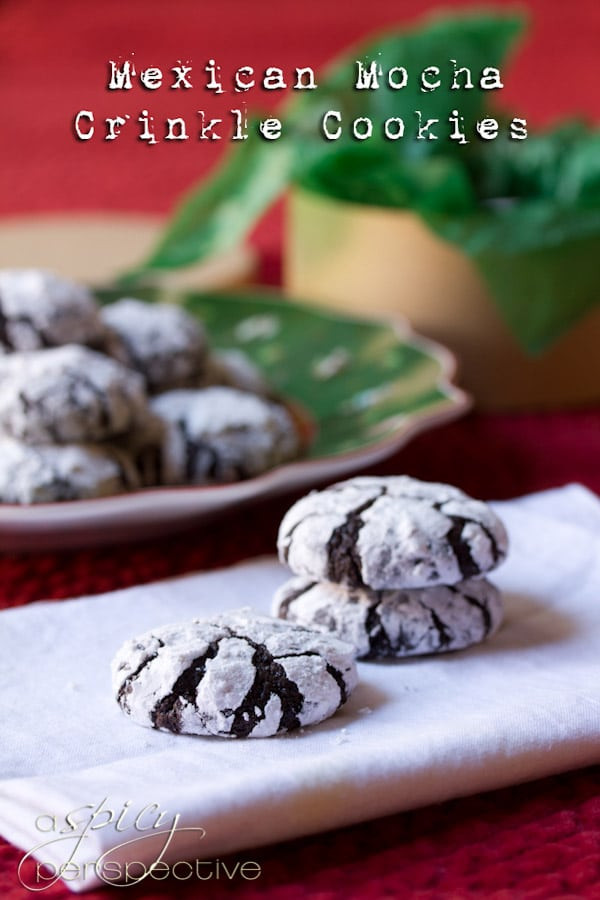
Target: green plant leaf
[(440, 184), (474, 40), (539, 263), (543, 291), (526, 212), (536, 238), (217, 213)]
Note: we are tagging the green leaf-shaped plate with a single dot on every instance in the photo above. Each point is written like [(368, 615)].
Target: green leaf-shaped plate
[(363, 388)]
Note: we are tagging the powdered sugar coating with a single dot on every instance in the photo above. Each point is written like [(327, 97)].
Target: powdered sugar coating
[(395, 623), (46, 474), (394, 532), (69, 394), (220, 434), (39, 309), (237, 675), (160, 340)]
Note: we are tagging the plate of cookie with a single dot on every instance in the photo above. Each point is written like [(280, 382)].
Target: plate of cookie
[(123, 416)]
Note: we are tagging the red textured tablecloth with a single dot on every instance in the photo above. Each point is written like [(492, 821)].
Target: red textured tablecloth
[(535, 841)]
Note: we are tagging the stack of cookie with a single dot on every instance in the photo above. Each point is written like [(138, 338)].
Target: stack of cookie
[(99, 401), (392, 565)]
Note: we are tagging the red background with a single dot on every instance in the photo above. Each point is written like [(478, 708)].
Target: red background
[(536, 841), (55, 61)]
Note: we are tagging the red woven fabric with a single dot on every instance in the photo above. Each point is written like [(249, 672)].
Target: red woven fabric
[(525, 843)]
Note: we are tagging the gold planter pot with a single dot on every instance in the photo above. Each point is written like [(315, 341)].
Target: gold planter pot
[(371, 260)]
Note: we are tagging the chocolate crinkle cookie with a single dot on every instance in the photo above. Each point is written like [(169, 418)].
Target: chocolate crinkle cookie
[(236, 675), (73, 377), (220, 434), (39, 309), (66, 395), (395, 623), (393, 532), (147, 445), (46, 474), (161, 341)]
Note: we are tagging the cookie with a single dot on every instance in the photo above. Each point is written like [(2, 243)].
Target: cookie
[(68, 395), (236, 675), (232, 368), (47, 474), (38, 309), (159, 340), (220, 434), (156, 451), (393, 532), (396, 623)]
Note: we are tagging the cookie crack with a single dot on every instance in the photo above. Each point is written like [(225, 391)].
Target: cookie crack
[(270, 678), (496, 553), (39, 407), (61, 487), (288, 537), (8, 322), (286, 602), (5, 337), (339, 680), (344, 562), (298, 655), (379, 642), (167, 712), (127, 685), (104, 409), (483, 609), (194, 450), (466, 564), (444, 636), (126, 476), (461, 549)]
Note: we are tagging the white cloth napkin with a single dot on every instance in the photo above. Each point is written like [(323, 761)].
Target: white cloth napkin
[(523, 705)]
